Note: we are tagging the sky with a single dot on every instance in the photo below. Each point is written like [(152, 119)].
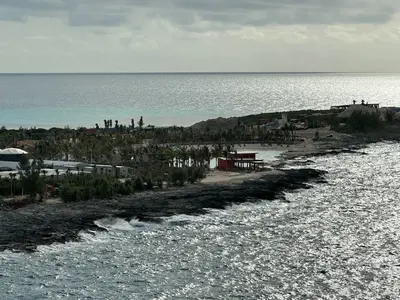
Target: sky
[(199, 36)]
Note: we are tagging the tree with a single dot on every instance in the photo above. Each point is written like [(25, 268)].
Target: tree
[(12, 184), (31, 181), (141, 123)]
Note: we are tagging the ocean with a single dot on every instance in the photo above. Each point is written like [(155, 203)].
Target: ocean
[(48, 100), (337, 240)]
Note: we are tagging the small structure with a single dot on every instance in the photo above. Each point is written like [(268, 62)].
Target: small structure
[(363, 103), (64, 165), (10, 158), (240, 160), (12, 154), (115, 171), (284, 120), (368, 109)]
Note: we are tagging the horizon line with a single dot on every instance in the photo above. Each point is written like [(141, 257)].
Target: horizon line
[(187, 73)]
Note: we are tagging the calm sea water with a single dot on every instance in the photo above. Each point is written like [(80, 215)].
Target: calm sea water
[(339, 240), (181, 99)]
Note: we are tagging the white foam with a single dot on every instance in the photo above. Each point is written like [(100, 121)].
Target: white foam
[(181, 218), (114, 224)]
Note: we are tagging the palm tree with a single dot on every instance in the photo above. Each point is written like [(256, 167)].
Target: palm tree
[(217, 151), (206, 155), (184, 155), (141, 123), (11, 184), (193, 155)]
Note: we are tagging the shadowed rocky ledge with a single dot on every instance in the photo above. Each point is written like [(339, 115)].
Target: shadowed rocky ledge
[(25, 228)]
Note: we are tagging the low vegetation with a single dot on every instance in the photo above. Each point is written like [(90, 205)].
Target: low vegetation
[(84, 187)]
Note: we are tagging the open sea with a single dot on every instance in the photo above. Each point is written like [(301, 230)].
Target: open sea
[(338, 240), (178, 99)]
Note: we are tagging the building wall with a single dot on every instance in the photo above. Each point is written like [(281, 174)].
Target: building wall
[(245, 156), (225, 164), (11, 157)]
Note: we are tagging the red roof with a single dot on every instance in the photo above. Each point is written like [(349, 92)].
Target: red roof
[(91, 130)]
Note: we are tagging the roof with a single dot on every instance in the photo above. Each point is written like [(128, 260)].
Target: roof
[(357, 107), (244, 152), (12, 151), (64, 164), (240, 160)]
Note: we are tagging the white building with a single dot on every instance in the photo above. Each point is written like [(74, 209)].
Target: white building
[(358, 108), (12, 154), (283, 120), (10, 158), (116, 171)]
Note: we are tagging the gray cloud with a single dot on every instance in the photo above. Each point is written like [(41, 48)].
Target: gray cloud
[(186, 13)]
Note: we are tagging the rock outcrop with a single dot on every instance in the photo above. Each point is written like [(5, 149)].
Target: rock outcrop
[(25, 228)]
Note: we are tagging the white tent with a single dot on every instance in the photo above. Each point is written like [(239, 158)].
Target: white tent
[(12, 151)]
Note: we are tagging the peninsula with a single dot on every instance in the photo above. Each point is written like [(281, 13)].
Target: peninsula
[(54, 183)]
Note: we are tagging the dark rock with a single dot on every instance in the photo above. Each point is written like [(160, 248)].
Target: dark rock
[(42, 224)]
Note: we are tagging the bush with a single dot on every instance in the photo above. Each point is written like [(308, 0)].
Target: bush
[(195, 174), (128, 186), (69, 193), (102, 187), (149, 184), (159, 182), (190, 175), (138, 184), (86, 193), (359, 121), (178, 176)]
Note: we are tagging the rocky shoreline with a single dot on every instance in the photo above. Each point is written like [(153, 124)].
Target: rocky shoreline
[(25, 228)]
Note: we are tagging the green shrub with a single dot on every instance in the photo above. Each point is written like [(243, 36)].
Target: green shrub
[(69, 193), (86, 193), (178, 176), (159, 182), (149, 184), (359, 121), (195, 173), (128, 186), (138, 184)]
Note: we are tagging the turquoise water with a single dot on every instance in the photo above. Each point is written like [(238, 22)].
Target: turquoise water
[(180, 99)]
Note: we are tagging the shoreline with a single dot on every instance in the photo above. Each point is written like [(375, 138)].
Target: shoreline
[(45, 223), (25, 228)]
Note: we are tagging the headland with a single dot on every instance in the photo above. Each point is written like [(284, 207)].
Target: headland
[(65, 179)]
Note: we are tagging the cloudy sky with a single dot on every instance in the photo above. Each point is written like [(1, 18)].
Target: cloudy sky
[(199, 35)]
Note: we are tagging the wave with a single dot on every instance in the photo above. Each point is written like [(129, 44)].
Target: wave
[(119, 224), (179, 220)]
